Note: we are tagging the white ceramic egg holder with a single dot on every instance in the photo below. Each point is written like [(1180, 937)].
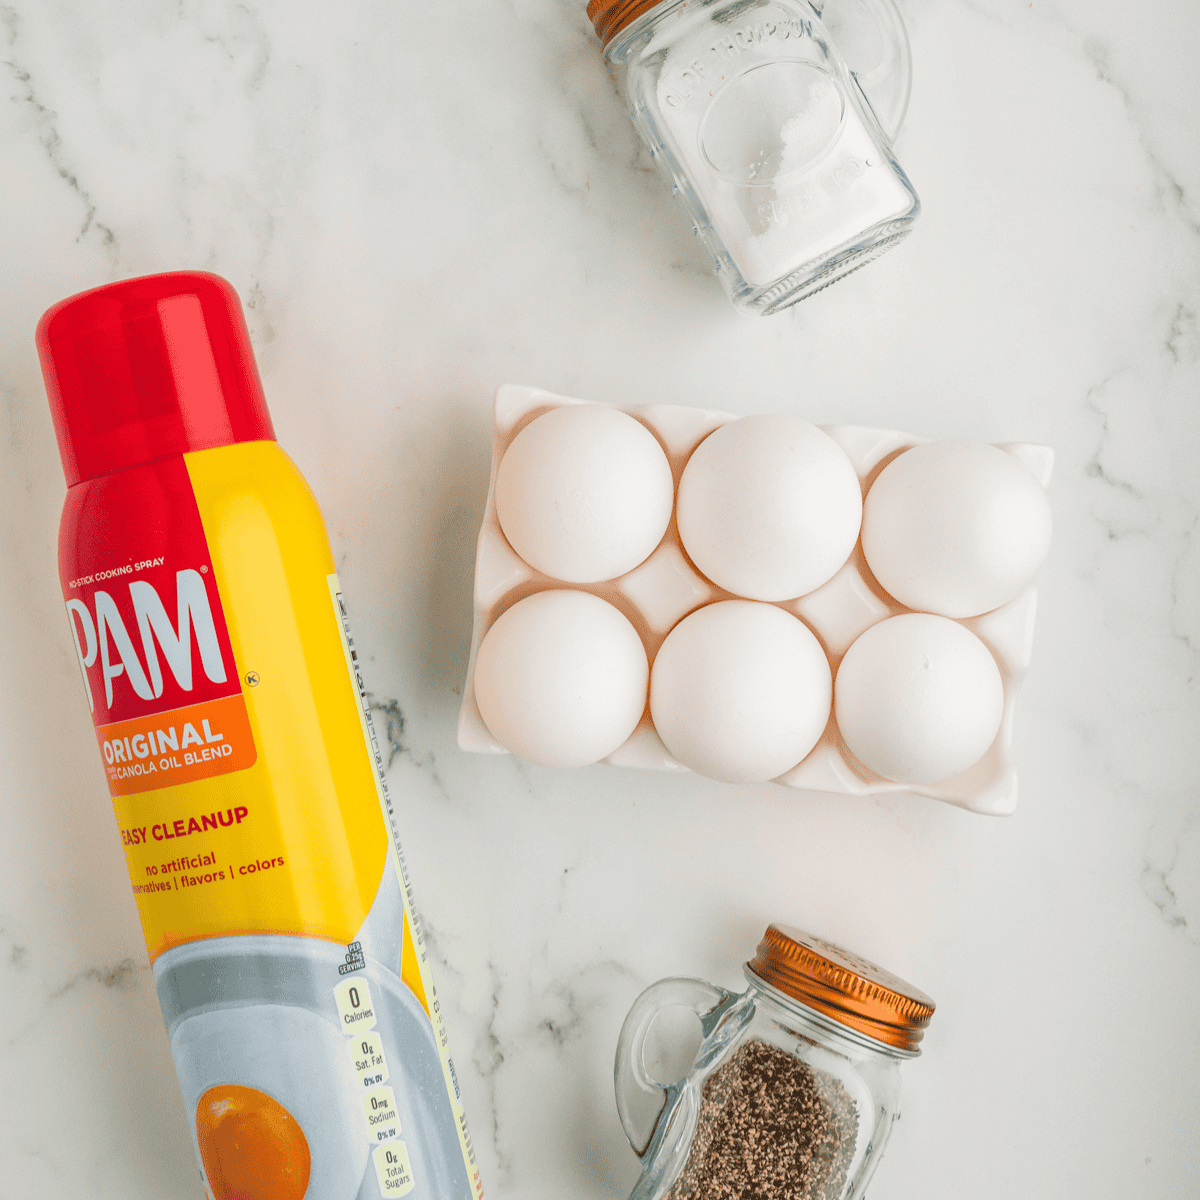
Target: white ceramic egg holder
[(660, 592)]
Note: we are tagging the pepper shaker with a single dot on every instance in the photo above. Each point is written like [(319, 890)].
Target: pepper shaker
[(795, 1087)]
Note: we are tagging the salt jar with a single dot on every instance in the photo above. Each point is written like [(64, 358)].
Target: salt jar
[(794, 1088), (767, 134)]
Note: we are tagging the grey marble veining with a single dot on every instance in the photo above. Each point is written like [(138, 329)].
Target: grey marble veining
[(417, 204)]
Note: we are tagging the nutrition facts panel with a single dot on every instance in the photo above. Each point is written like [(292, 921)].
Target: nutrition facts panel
[(368, 1057), (369, 1060), (393, 1169), (398, 1174)]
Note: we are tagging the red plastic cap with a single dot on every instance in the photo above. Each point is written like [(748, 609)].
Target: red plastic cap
[(149, 368)]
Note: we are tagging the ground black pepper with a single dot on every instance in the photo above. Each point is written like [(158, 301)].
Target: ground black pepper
[(770, 1128)]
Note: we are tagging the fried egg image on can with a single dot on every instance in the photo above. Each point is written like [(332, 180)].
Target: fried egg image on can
[(250, 1145), (276, 1107)]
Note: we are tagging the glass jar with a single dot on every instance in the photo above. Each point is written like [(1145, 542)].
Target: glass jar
[(781, 157), (795, 1086)]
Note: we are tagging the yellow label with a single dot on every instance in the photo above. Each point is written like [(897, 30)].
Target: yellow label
[(295, 842), (261, 807)]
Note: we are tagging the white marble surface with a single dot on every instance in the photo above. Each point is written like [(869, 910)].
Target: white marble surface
[(419, 202)]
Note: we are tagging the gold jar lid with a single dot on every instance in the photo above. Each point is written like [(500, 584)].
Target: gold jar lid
[(842, 986), (609, 17)]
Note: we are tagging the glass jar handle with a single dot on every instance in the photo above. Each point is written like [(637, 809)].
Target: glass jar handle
[(638, 1094), (873, 28)]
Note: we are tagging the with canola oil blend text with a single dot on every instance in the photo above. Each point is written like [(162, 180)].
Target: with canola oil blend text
[(234, 731)]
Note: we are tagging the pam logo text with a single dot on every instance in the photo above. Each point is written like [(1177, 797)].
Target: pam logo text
[(137, 655)]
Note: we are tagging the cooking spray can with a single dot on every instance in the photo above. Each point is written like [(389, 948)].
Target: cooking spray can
[(235, 733)]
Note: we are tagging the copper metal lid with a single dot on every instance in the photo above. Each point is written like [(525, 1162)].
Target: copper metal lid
[(609, 17), (850, 990)]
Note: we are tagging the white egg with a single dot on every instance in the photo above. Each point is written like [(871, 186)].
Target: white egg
[(584, 493), (918, 698), (740, 691), (769, 507), (561, 678), (956, 528)]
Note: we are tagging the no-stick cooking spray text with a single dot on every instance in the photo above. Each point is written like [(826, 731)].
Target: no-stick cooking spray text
[(236, 738)]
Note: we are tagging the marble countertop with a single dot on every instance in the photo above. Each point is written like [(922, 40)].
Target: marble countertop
[(418, 203)]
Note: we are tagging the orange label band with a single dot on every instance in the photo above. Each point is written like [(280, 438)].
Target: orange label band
[(179, 746)]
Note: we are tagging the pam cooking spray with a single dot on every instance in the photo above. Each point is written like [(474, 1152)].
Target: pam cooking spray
[(235, 734)]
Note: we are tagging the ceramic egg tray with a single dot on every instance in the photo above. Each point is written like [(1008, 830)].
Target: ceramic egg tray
[(656, 595)]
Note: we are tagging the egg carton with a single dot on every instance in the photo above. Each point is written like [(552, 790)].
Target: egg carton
[(665, 588)]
